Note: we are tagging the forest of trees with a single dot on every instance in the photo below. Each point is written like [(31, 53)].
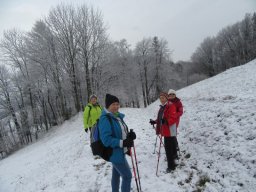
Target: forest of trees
[(233, 46), (48, 73)]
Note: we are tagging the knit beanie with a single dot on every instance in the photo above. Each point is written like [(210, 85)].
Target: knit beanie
[(93, 96), (110, 99), (171, 91), (163, 94)]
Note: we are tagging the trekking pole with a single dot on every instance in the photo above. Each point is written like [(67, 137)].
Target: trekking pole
[(155, 146), (134, 172), (155, 142), (136, 162), (161, 141), (137, 165), (177, 146), (157, 136), (159, 153)]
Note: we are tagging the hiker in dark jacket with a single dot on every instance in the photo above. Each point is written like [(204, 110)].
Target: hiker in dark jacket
[(115, 134)]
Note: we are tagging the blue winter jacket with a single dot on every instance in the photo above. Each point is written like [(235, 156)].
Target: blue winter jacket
[(112, 139)]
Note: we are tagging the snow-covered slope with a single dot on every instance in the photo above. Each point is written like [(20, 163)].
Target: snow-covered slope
[(217, 138)]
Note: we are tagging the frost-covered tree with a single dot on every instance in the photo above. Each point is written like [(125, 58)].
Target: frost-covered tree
[(152, 57), (14, 50), (92, 39), (62, 21), (234, 45), (6, 98)]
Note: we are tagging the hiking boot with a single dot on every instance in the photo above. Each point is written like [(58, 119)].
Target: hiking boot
[(170, 170), (176, 156)]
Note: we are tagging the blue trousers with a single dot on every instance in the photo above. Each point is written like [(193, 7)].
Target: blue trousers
[(121, 170)]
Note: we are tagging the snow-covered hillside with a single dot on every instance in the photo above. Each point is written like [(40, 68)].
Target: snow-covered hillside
[(217, 138)]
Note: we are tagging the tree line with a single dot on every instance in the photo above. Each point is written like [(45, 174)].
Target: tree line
[(234, 45), (48, 73)]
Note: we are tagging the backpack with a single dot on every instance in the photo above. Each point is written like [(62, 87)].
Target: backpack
[(90, 108), (96, 144)]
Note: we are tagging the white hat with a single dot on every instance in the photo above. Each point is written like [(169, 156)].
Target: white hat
[(171, 91), (93, 96)]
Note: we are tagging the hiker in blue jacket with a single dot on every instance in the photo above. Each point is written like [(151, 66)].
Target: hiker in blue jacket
[(115, 134)]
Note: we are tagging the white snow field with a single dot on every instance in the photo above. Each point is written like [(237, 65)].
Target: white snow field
[(217, 137)]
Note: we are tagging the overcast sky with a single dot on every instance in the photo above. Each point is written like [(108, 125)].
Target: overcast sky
[(183, 23)]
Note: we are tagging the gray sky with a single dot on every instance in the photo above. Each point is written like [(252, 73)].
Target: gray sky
[(183, 23)]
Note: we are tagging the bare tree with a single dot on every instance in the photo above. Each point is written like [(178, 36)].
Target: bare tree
[(6, 99), (14, 49), (152, 56), (234, 45), (161, 56), (92, 39), (143, 59), (62, 21)]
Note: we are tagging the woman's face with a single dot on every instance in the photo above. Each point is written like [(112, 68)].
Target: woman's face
[(171, 96), (93, 100), (163, 99), (114, 107)]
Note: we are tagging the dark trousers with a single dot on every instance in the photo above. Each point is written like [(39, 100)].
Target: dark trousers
[(170, 150), (177, 148)]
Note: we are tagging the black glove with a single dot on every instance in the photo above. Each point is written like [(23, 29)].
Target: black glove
[(128, 142), (152, 122), (163, 121), (131, 135), (128, 152), (86, 130)]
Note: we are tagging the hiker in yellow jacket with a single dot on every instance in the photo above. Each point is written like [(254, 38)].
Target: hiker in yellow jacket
[(92, 113)]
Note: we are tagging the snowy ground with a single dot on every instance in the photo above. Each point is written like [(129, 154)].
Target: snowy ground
[(217, 138)]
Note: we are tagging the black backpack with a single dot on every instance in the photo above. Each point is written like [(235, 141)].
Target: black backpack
[(96, 144)]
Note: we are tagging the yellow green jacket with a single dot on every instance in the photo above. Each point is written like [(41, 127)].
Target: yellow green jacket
[(91, 115)]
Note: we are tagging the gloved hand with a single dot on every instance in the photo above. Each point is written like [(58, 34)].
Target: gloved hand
[(86, 130), (164, 121), (131, 135), (152, 122), (128, 142), (129, 152)]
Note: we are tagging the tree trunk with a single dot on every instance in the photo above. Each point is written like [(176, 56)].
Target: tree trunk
[(88, 80)]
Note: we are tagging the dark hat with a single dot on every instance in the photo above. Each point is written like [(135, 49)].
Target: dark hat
[(110, 99)]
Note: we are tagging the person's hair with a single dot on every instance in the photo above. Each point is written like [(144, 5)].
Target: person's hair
[(164, 95)]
